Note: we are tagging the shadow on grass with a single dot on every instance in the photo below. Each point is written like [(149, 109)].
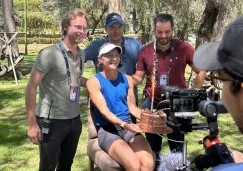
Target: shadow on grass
[(83, 114), (9, 97), (28, 64), (13, 128), (9, 94), (13, 166)]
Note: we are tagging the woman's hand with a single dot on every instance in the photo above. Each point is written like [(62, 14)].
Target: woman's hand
[(133, 128)]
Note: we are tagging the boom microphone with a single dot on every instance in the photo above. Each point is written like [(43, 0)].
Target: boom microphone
[(172, 162)]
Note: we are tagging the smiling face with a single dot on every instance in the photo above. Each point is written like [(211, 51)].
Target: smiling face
[(233, 102), (163, 32), (77, 30), (110, 60), (115, 33)]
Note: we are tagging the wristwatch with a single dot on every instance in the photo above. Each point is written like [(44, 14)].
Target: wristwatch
[(123, 125)]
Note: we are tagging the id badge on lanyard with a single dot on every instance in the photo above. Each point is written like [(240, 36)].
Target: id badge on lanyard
[(164, 76), (74, 93), (163, 79)]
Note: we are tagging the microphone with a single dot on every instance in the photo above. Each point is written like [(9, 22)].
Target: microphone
[(172, 162)]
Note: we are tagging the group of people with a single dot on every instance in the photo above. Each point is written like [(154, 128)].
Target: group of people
[(121, 64)]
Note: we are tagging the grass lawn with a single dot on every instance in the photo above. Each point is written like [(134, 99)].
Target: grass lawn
[(17, 153)]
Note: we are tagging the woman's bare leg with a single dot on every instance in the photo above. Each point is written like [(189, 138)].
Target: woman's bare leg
[(143, 151), (124, 155)]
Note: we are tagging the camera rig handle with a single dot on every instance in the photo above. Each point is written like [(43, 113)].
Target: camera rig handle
[(215, 152), (210, 110)]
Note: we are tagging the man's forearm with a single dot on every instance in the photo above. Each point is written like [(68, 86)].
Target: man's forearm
[(30, 103), (136, 80), (199, 79)]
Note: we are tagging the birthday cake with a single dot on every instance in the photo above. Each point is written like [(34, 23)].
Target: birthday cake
[(154, 122)]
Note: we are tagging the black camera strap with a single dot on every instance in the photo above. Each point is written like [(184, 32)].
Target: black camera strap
[(65, 56), (171, 56), (49, 110)]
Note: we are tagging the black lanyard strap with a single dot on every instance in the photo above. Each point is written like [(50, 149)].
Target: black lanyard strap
[(171, 56), (65, 56)]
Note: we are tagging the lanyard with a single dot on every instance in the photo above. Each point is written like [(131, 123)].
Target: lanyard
[(171, 56), (64, 54)]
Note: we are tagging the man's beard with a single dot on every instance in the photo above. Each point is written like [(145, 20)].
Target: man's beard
[(164, 41)]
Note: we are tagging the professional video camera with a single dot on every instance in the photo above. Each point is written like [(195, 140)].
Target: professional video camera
[(183, 100), (181, 103)]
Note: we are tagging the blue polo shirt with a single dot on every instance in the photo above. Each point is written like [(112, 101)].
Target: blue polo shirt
[(131, 48)]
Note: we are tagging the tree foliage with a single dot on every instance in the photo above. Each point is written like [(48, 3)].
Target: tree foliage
[(216, 17), (96, 11), (33, 5), (138, 15), (56, 8)]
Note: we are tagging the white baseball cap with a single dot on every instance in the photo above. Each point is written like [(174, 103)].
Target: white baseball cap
[(107, 47)]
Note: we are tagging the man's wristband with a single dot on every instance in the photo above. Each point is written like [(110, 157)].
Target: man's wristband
[(123, 125)]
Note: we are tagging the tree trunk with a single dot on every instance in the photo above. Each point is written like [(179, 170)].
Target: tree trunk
[(100, 18), (216, 17), (182, 34), (145, 37), (9, 26), (134, 20), (115, 6)]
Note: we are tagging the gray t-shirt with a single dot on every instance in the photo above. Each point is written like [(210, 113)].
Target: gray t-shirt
[(54, 86)]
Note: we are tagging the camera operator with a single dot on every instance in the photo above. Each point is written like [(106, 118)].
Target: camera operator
[(226, 57)]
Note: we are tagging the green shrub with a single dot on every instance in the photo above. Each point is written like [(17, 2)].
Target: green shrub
[(33, 5), (41, 40)]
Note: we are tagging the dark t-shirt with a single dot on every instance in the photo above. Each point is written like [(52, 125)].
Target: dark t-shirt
[(182, 55)]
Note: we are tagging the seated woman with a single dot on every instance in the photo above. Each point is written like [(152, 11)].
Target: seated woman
[(113, 97)]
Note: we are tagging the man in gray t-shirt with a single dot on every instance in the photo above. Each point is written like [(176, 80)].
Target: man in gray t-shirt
[(55, 123)]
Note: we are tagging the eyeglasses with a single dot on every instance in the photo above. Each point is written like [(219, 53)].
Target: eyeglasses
[(218, 81), (220, 78), (80, 28)]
